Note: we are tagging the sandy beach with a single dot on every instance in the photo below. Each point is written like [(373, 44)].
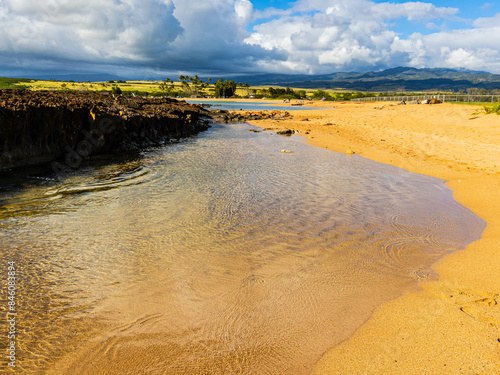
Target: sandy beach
[(449, 326)]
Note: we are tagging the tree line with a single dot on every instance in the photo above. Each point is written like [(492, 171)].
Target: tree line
[(190, 86)]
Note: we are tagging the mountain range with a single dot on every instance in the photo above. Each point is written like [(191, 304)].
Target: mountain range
[(400, 78)]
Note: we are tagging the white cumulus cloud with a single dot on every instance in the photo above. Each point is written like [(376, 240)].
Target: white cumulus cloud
[(469, 48), (176, 35), (321, 36), (193, 36), (93, 31), (244, 10)]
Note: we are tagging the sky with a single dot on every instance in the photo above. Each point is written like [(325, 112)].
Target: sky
[(155, 38)]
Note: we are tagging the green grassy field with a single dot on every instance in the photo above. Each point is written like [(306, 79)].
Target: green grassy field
[(139, 87), (149, 86)]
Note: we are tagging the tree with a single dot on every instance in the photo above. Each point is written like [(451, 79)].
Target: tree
[(302, 94), (225, 88), (167, 86), (320, 94), (185, 84), (219, 88), (283, 93), (230, 87), (197, 83), (116, 90)]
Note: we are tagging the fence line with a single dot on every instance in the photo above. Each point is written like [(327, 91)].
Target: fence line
[(443, 98)]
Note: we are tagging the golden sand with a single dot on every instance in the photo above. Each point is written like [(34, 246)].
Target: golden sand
[(449, 326)]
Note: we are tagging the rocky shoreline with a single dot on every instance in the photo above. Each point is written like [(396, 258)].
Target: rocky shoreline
[(67, 127)]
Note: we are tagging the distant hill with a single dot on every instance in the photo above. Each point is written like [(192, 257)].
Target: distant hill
[(78, 77), (401, 78)]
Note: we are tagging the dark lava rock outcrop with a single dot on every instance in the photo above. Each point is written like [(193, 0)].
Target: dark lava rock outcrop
[(69, 126), (243, 116)]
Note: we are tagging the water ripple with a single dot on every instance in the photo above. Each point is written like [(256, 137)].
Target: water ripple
[(218, 254)]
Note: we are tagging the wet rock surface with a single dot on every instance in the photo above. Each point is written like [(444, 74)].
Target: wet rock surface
[(68, 126)]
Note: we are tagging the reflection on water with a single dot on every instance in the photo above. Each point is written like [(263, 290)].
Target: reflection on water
[(219, 254)]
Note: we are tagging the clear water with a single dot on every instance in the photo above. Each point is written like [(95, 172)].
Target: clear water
[(248, 106), (216, 255)]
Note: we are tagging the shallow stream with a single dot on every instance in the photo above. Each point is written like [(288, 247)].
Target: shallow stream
[(218, 254)]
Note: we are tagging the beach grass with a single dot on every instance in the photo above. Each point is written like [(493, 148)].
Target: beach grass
[(492, 109)]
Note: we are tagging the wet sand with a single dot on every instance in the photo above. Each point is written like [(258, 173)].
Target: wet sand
[(449, 326)]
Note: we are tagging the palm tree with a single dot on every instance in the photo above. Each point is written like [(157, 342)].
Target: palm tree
[(164, 86)]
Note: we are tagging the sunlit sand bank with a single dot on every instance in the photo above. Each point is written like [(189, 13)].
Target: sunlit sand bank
[(451, 325)]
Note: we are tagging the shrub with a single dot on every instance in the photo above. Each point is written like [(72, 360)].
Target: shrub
[(493, 109), (116, 90), (13, 83), (320, 94)]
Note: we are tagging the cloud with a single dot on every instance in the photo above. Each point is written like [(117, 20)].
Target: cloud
[(213, 37), (412, 11), (324, 37), (244, 10), (487, 6), (489, 22), (320, 36), (90, 30), (224, 36), (155, 34), (470, 48)]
